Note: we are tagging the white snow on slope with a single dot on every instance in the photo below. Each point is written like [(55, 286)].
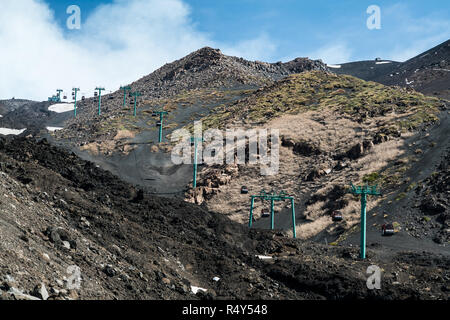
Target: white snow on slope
[(195, 289), (442, 70), (61, 107), (383, 62), (51, 129), (336, 66), (264, 257), (7, 131)]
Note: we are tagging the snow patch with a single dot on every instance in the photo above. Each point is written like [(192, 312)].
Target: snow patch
[(51, 129), (195, 289), (383, 62), (264, 257), (336, 66), (7, 131), (61, 107), (433, 69)]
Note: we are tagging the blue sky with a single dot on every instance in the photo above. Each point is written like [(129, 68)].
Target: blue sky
[(300, 28), (123, 40)]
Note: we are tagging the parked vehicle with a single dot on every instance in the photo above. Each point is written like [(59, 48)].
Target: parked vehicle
[(387, 229), (337, 216)]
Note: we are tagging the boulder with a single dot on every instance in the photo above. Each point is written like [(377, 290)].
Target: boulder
[(359, 150), (59, 236), (431, 206), (40, 291)]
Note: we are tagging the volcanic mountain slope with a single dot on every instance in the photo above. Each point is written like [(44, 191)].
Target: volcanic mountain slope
[(366, 70), (30, 115), (334, 129), (188, 89), (12, 104), (429, 72), (432, 203), (202, 80), (60, 214)]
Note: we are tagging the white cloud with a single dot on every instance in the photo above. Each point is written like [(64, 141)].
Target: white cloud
[(260, 48), (118, 43), (413, 34), (422, 39), (419, 46), (332, 54)]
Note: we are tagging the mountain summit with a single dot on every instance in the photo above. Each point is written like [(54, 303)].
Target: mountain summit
[(208, 67)]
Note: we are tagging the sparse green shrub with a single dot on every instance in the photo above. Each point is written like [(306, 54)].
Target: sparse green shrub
[(371, 178), (400, 196), (411, 187)]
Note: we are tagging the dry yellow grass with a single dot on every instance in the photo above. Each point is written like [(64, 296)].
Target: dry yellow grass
[(124, 134), (92, 148), (310, 229), (380, 156), (330, 132), (325, 129)]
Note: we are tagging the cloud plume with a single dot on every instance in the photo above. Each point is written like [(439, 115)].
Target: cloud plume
[(117, 44)]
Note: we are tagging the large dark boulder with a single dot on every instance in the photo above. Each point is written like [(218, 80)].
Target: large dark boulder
[(431, 206), (301, 147), (359, 150)]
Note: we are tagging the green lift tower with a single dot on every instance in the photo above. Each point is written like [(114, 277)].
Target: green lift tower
[(135, 95), (272, 197), (74, 93), (59, 94), (160, 123), (195, 141), (99, 99), (363, 191), (125, 89)]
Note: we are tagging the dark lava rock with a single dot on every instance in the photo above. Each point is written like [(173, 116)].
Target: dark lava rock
[(109, 271), (139, 195), (306, 149), (303, 148), (431, 206), (58, 236), (385, 134), (358, 150), (207, 244), (350, 253)]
